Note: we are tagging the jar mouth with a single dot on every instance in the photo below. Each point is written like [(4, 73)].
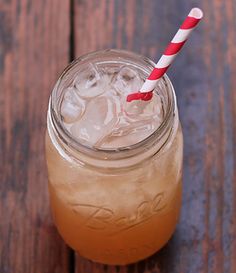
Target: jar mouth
[(119, 152)]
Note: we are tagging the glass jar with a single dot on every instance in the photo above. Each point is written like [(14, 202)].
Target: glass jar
[(115, 206)]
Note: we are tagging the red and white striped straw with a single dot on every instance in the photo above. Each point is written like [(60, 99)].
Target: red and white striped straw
[(168, 56)]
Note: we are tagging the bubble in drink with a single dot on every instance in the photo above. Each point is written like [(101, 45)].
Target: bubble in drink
[(108, 121)]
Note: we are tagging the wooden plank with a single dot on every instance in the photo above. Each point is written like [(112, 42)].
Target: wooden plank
[(203, 76), (34, 48)]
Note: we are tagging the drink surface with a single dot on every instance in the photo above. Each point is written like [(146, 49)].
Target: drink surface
[(94, 108)]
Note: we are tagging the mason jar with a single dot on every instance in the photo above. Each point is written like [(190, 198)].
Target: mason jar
[(115, 206)]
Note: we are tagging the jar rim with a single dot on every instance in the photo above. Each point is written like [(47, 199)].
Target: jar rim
[(109, 153)]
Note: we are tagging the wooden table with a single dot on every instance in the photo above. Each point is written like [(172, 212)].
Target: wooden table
[(37, 40)]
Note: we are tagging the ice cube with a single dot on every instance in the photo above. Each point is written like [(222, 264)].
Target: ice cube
[(127, 127), (143, 118), (121, 128), (97, 121), (111, 70), (144, 109), (129, 136), (91, 82), (134, 108), (127, 81), (153, 107), (72, 106)]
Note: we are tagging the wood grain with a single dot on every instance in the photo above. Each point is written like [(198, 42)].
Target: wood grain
[(34, 48), (203, 76)]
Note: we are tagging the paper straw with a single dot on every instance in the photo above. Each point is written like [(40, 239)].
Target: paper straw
[(168, 56)]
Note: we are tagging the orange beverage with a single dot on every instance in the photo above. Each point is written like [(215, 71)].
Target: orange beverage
[(114, 168)]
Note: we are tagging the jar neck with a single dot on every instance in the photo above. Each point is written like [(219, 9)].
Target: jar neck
[(121, 157)]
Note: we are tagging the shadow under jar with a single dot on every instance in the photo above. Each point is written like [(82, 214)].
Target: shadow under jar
[(115, 206)]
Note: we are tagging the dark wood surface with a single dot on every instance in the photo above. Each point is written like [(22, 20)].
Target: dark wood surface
[(37, 40)]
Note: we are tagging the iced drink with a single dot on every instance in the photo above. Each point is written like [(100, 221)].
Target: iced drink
[(114, 167)]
